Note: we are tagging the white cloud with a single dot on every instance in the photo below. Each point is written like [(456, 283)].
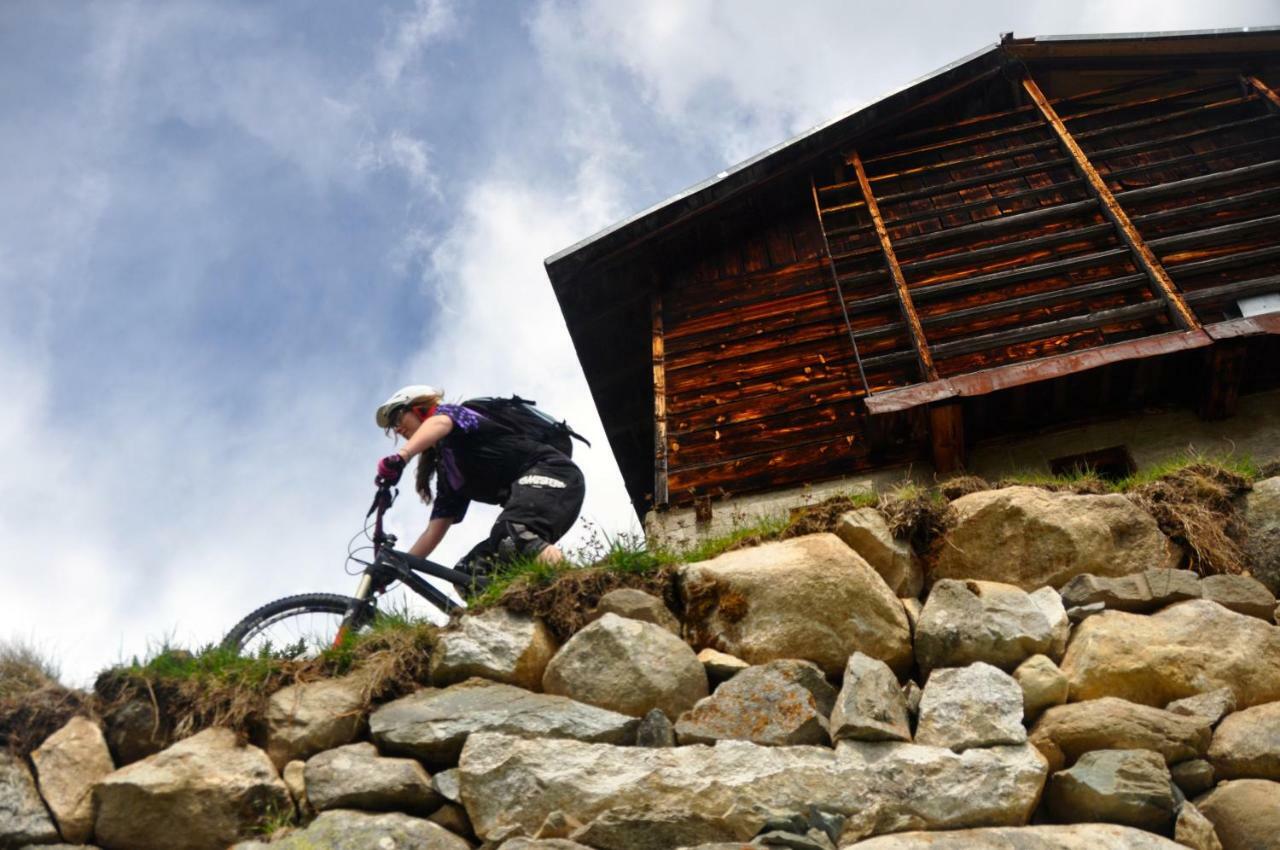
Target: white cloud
[(427, 22)]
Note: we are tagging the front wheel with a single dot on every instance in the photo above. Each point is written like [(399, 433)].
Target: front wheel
[(299, 626)]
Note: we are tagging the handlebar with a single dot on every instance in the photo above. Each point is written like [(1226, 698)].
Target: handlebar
[(382, 500)]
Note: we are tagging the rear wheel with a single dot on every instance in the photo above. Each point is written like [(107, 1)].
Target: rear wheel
[(299, 626)]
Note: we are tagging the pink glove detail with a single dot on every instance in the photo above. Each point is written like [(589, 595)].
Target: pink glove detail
[(390, 468)]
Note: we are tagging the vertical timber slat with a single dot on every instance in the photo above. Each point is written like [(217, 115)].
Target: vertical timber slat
[(925, 359), (660, 494), (1145, 258), (946, 437)]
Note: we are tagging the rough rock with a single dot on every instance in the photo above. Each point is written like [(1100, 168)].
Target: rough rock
[(133, 732), (1241, 594), (780, 703), (1079, 613), (721, 665), (1043, 685), (867, 533), (1163, 657), (453, 818), (640, 828), (1245, 813), (347, 830), (967, 621), (1246, 745), (542, 844), (974, 706), (871, 705), (1066, 732), (433, 724), (913, 608), (446, 784), (67, 765), (1192, 829), (308, 718), (295, 779), (1084, 836), (202, 793), (1194, 776), (1140, 593), (1212, 705), (912, 692), (738, 785), (356, 777), (1262, 530), (1130, 787), (809, 597), (635, 604), (496, 644), (627, 666), (23, 817), (655, 730), (1031, 538)]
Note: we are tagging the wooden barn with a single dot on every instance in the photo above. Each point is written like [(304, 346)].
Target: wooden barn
[(1046, 235)]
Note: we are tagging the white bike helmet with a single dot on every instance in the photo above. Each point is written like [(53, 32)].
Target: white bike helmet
[(404, 397)]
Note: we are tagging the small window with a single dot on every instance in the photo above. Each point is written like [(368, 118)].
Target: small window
[(1113, 464)]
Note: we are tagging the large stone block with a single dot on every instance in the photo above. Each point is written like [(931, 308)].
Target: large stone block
[(867, 533), (1084, 836), (974, 706), (349, 830), (810, 597), (871, 706), (356, 777), (1262, 529), (1002, 625), (23, 818), (628, 666), (1033, 538), (1246, 745), (68, 764), (737, 786), (1184, 650), (1130, 787), (510, 648), (1245, 813), (781, 703), (433, 724), (1066, 732), (1139, 593), (203, 793), (311, 717)]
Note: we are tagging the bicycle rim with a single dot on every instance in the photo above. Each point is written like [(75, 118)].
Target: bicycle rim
[(299, 626)]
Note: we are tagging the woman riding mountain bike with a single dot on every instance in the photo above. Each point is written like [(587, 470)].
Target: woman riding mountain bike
[(502, 451), (479, 451)]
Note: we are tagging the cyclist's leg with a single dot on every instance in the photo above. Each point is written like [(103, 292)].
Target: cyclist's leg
[(542, 507)]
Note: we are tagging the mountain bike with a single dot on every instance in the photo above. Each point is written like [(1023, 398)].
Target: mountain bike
[(309, 622)]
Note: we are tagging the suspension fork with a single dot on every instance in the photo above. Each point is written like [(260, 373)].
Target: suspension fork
[(355, 608)]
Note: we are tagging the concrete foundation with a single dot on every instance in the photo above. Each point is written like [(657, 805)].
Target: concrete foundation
[(1151, 438)]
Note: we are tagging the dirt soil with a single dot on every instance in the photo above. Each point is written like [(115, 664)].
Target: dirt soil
[(566, 604), (1197, 507)]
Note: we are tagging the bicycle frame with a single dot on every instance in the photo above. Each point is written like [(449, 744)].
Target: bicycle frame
[(390, 565)]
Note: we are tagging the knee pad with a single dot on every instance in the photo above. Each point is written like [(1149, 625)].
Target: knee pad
[(518, 541)]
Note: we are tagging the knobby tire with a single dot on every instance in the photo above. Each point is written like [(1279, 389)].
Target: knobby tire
[(300, 605)]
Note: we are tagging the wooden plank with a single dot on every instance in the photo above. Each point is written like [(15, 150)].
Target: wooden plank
[(1008, 249), (1235, 289), (998, 201), (1162, 118), (974, 159), (979, 230), (1224, 366), (1202, 181), (1215, 264), (1147, 145), (918, 341), (1202, 207), (660, 492), (1044, 330), (986, 281), (1211, 235), (946, 437), (1033, 371), (1273, 99), (951, 186), (1146, 260), (1191, 158)]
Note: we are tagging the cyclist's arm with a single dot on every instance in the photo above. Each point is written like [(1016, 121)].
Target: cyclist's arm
[(430, 432), (429, 539)]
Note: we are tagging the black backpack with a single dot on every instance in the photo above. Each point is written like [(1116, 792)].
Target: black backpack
[(520, 416)]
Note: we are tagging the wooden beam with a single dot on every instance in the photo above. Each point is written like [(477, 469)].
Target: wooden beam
[(1143, 256), (1031, 371), (946, 437), (1007, 249), (987, 227), (909, 315), (982, 179), (1191, 184), (1224, 366), (938, 212), (660, 494), (1273, 99)]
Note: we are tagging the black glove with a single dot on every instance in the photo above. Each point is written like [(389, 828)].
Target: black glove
[(389, 469)]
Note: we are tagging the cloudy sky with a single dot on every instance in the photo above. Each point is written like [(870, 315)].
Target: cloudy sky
[(228, 230)]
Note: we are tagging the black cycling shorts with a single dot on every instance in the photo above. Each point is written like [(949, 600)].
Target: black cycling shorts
[(543, 505)]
